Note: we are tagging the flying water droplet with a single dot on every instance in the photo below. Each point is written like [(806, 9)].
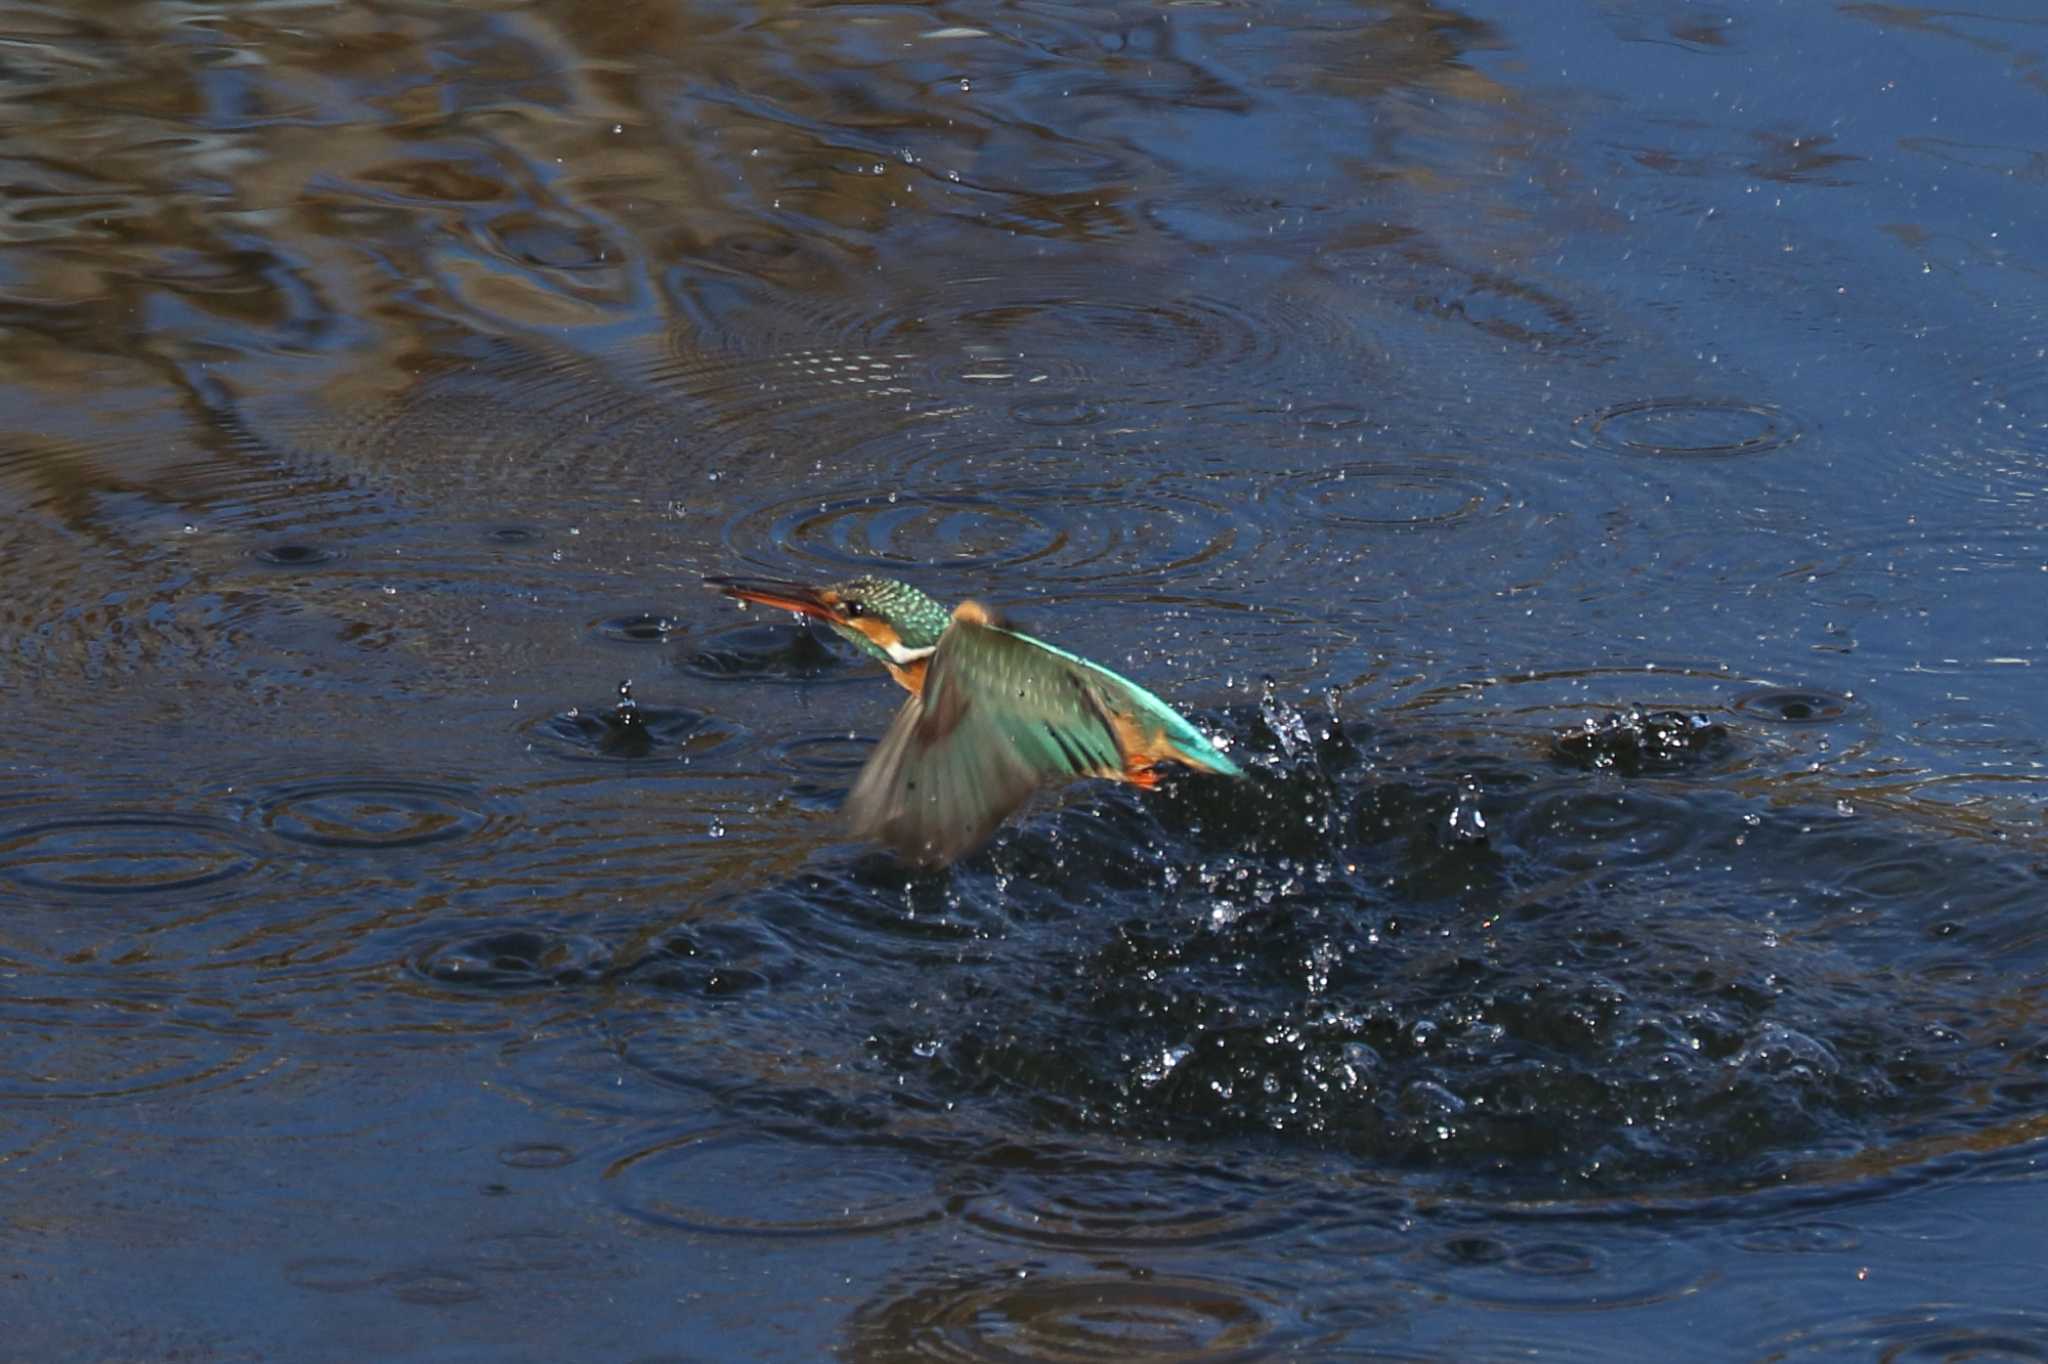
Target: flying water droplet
[(1360, 1064), (1430, 1099), (1285, 721), (1467, 822)]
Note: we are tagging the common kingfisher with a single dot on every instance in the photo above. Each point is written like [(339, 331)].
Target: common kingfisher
[(993, 715)]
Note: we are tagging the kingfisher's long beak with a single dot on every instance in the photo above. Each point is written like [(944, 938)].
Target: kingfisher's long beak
[(789, 596)]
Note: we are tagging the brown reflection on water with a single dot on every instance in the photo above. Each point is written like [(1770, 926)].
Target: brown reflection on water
[(1029, 1312), (249, 257), (556, 158)]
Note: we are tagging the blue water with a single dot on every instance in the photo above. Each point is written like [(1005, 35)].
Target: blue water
[(1587, 462)]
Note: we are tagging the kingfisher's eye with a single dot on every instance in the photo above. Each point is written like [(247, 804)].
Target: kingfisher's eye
[(853, 609)]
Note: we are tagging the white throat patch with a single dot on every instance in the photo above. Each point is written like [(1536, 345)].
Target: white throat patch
[(903, 657)]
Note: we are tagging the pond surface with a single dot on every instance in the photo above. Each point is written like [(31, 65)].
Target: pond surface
[(1588, 462)]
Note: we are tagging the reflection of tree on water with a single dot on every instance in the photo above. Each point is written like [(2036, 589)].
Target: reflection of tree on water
[(1031, 1311)]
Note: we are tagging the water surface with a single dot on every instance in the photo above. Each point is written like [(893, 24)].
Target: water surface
[(1589, 467)]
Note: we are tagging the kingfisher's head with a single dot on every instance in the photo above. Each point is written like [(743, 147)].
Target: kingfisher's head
[(889, 620)]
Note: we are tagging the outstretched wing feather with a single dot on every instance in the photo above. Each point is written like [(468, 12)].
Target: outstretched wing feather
[(1000, 716)]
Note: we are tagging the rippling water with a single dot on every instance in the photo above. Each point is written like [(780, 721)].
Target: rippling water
[(1592, 468)]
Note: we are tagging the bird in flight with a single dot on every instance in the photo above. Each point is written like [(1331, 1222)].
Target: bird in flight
[(993, 715)]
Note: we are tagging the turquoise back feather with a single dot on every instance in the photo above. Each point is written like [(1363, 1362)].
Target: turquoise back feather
[(1150, 709)]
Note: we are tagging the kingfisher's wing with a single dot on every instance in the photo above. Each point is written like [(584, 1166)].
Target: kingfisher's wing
[(1001, 715)]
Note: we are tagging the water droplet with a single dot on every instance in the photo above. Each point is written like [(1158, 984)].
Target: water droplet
[(1466, 823), (1427, 1096), (1361, 1061), (1285, 721)]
